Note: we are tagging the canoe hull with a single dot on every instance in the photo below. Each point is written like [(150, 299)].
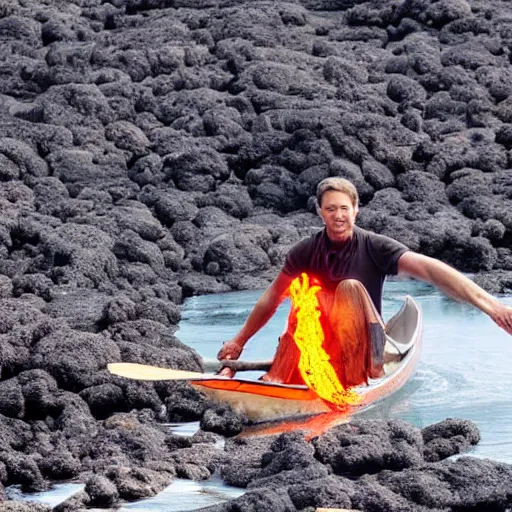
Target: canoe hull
[(261, 405), (262, 408)]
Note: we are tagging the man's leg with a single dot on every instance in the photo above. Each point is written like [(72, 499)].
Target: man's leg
[(358, 337), (285, 365)]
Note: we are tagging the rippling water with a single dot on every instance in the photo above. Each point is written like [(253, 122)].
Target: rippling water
[(465, 369)]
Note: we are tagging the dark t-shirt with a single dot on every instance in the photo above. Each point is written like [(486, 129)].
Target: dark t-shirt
[(367, 257)]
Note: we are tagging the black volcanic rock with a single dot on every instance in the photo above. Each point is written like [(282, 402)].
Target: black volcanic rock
[(182, 402), (102, 492), (195, 170), (244, 459), (448, 438), (330, 492), (74, 358), (290, 460), (222, 419), (481, 483), (409, 483), (370, 447)]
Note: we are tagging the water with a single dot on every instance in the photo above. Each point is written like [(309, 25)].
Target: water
[(51, 498), (184, 495), (180, 496), (465, 369)]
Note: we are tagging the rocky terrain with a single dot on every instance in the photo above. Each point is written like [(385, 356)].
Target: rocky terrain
[(151, 150)]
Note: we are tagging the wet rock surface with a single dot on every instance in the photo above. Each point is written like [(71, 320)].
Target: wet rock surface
[(151, 151), (354, 466)]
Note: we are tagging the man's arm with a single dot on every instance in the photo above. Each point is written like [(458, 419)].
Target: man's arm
[(258, 317), (455, 285)]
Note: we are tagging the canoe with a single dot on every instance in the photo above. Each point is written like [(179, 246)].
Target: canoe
[(263, 401)]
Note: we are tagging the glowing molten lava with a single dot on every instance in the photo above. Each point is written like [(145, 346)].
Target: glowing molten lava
[(315, 363)]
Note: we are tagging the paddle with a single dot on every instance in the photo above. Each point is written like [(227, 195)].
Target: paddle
[(269, 389), (148, 372)]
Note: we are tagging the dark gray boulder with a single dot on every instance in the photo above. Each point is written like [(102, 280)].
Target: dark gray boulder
[(22, 159), (82, 309), (22, 470), (290, 460), (131, 247), (137, 483), (12, 403), (101, 491), (72, 358), (222, 419), (60, 466), (276, 188), (448, 438), (329, 492), (128, 137), (195, 171), (104, 400), (232, 198), (369, 447), (244, 459), (242, 252), (182, 401)]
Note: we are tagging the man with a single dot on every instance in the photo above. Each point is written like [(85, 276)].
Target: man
[(351, 265)]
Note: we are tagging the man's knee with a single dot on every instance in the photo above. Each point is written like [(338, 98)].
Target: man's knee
[(352, 292), (350, 285), (350, 296)]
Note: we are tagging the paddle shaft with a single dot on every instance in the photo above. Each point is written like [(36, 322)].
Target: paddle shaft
[(214, 365)]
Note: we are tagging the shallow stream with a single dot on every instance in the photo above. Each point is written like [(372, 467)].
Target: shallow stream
[(465, 370)]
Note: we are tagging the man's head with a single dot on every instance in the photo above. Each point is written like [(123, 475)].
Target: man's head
[(337, 204), (339, 184)]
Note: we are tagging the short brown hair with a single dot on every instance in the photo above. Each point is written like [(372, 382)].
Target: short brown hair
[(339, 184)]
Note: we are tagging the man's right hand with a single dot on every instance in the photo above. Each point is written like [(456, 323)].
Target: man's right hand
[(230, 350), (227, 372)]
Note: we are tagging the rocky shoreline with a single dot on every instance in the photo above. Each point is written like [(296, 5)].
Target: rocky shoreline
[(151, 150)]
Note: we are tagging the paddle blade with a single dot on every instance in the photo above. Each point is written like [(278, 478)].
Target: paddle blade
[(146, 372)]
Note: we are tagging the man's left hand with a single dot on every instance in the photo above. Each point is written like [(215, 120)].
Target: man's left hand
[(503, 317)]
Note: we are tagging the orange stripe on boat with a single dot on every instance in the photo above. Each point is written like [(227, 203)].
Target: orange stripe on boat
[(259, 389)]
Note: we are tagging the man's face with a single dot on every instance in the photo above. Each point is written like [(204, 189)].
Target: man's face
[(339, 215)]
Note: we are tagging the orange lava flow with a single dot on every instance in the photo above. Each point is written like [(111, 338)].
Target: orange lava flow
[(315, 363)]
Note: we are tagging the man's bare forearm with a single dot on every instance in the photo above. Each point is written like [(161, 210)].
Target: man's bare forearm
[(461, 288), (455, 285), (448, 280), (259, 316)]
